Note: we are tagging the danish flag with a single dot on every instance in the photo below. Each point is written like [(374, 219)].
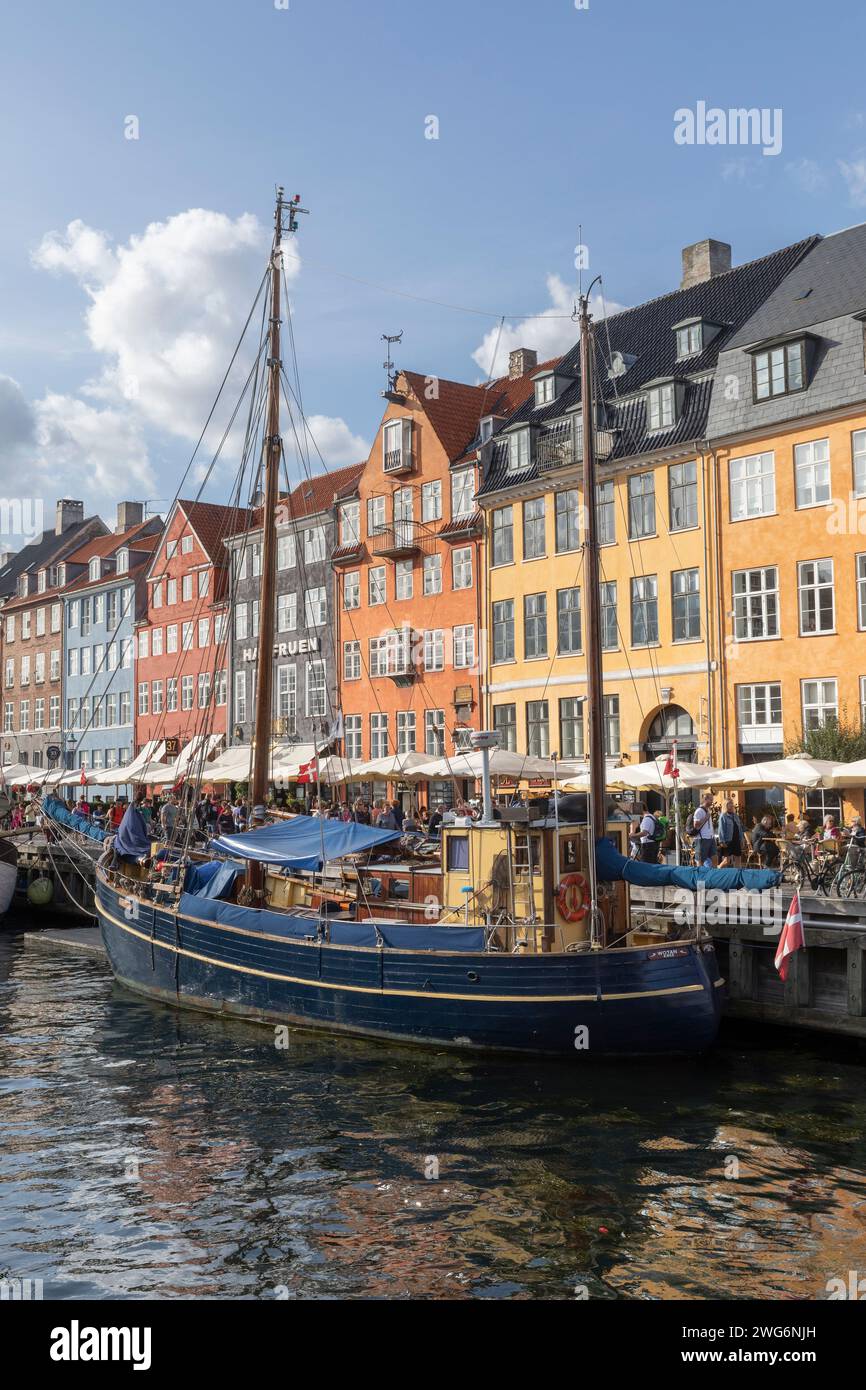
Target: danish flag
[(671, 767), (307, 771), (792, 938)]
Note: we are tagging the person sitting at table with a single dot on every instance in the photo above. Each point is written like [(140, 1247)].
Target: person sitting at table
[(857, 835), (764, 843), (830, 830)]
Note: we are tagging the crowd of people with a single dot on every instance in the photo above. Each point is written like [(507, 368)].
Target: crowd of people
[(390, 815), (719, 838)]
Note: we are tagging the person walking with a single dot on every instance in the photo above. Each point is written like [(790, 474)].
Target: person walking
[(648, 837)]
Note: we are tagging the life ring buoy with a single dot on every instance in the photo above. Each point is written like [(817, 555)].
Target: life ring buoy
[(569, 910)]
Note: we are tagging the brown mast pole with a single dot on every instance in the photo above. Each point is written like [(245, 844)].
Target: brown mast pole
[(594, 679), (271, 461)]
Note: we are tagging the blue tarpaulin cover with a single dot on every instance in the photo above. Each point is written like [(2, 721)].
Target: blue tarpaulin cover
[(132, 840), (211, 880), (396, 935), (297, 843), (56, 810), (613, 866)]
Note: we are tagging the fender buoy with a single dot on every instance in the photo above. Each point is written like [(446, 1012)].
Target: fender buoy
[(40, 892), (572, 898)]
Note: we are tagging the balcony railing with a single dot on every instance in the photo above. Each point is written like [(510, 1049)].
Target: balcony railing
[(398, 461), (561, 446), (402, 540)]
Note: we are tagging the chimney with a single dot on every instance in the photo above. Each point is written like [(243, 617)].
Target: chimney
[(129, 514), (703, 260), (69, 513), (521, 361)]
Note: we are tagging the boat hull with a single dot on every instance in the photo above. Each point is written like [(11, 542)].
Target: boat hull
[(632, 1002)]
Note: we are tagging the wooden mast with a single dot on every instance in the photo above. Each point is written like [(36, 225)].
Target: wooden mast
[(272, 450), (592, 588)]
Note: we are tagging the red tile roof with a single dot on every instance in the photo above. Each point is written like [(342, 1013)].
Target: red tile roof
[(458, 408), (212, 523), (107, 545), (318, 493)]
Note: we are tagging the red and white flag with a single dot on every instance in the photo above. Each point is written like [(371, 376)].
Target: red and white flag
[(307, 772), (792, 938), (671, 767), (82, 781)]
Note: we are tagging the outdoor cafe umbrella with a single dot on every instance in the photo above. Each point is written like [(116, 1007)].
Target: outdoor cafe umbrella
[(781, 772)]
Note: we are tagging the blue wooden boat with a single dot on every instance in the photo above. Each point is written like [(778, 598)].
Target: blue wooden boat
[(533, 950)]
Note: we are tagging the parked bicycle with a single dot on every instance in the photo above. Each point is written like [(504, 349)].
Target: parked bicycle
[(802, 871), (851, 878)]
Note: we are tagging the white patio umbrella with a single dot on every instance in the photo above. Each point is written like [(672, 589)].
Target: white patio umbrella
[(849, 774), (19, 774), (780, 772), (395, 765), (516, 766), (651, 777)]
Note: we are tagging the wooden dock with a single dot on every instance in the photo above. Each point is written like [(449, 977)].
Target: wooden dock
[(826, 985)]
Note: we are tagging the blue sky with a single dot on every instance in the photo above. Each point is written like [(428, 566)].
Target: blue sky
[(549, 117)]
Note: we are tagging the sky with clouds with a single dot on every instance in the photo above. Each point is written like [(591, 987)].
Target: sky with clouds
[(127, 265)]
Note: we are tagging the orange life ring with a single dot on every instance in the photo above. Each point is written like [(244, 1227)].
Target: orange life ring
[(568, 909)]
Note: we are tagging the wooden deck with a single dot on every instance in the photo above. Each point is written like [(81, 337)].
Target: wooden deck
[(826, 985)]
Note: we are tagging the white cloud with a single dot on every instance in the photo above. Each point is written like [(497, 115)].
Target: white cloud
[(98, 453), (17, 427), (854, 174), (551, 333), (808, 174), (335, 441)]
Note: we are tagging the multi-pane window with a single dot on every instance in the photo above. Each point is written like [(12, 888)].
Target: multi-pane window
[(461, 567), (537, 729), (505, 725), (503, 630), (314, 544), (686, 605), (287, 612), (568, 633), (186, 636), (352, 589), (352, 735), (820, 703), (186, 588), (240, 696), (545, 387), (609, 627), (404, 582), (203, 632), (464, 646), (861, 592), (644, 610), (434, 732), (351, 661), (287, 551), (812, 472), (641, 505), (605, 514), (759, 714), (287, 693), (317, 696), (240, 623), (610, 710), (533, 528), (434, 649), (567, 513), (316, 606), (817, 597), (350, 523), (689, 339), (779, 371), (432, 574), (518, 451), (431, 501), (186, 692), (571, 727), (378, 735), (503, 536), (203, 583), (462, 493), (858, 458), (683, 495), (660, 407), (406, 731), (756, 603), (535, 625), (376, 519), (40, 622), (143, 697), (156, 693), (54, 711), (753, 485), (203, 689), (171, 633), (171, 591), (376, 585)]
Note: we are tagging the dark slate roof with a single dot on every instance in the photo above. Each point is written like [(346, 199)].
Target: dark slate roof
[(829, 283), (42, 551), (647, 333)]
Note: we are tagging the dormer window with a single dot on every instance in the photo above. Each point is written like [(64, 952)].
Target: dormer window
[(486, 429), (59, 577), (661, 406), (690, 339), (95, 568), (123, 562), (42, 581), (545, 389), (23, 586), (397, 446), (779, 371), (518, 451)]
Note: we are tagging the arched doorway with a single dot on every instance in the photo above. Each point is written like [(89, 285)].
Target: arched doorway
[(672, 722)]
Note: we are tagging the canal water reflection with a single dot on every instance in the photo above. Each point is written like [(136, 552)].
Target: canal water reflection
[(152, 1153)]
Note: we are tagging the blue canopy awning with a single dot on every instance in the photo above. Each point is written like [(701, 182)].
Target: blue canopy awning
[(303, 842)]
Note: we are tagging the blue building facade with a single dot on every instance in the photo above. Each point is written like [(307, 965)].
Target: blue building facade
[(101, 605)]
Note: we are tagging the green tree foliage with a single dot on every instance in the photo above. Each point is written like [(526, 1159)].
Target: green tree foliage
[(839, 740)]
